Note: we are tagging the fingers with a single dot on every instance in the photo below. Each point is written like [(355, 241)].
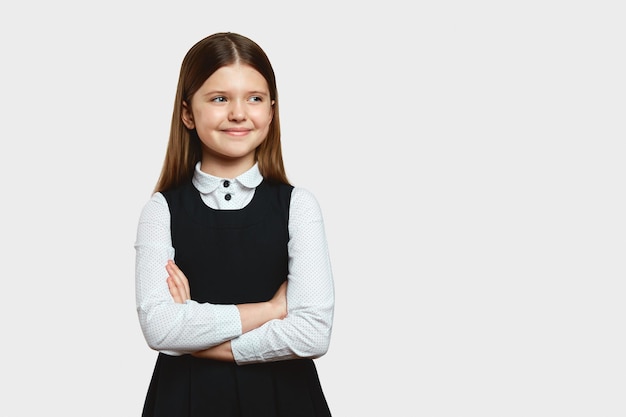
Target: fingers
[(181, 279), (177, 283), (280, 300), (174, 291)]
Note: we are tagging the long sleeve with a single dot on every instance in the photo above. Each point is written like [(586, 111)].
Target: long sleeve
[(169, 327), (306, 330)]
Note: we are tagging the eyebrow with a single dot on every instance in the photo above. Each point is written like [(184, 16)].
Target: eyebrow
[(222, 92)]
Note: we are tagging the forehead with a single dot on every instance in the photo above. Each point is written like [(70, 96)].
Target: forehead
[(236, 77)]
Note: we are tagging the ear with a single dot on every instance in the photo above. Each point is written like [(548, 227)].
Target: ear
[(187, 116)]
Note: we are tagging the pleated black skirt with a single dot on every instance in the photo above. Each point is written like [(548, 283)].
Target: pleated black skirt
[(185, 386)]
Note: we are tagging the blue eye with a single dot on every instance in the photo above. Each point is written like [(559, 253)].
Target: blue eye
[(257, 99), (219, 99)]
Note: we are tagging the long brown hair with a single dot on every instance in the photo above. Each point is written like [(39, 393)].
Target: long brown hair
[(208, 55)]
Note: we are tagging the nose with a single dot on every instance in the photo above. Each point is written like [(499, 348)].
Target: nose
[(237, 111)]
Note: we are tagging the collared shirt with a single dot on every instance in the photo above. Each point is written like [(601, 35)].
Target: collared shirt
[(177, 329)]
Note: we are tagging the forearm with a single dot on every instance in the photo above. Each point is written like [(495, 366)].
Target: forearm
[(184, 328), (303, 333), (222, 352), (291, 338), (306, 331), (251, 315), (178, 328), (254, 315), (170, 327)]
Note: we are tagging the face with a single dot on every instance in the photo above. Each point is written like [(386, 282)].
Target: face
[(231, 112)]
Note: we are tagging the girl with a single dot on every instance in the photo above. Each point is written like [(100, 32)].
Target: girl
[(233, 278)]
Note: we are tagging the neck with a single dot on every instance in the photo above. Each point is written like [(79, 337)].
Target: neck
[(225, 168)]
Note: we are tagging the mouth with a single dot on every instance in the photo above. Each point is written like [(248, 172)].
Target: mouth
[(236, 131)]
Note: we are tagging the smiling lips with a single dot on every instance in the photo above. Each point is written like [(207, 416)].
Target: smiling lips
[(237, 131)]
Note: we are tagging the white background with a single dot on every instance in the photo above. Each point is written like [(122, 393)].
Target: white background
[(468, 157)]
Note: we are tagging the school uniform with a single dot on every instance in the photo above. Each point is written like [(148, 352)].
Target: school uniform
[(236, 241)]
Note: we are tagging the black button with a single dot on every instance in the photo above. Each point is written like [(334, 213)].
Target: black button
[(226, 183), (227, 197)]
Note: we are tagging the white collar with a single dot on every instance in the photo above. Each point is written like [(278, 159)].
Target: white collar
[(206, 183)]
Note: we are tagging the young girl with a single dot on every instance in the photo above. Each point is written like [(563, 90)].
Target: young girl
[(233, 278)]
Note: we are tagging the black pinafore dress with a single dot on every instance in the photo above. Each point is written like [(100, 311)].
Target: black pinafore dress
[(232, 257)]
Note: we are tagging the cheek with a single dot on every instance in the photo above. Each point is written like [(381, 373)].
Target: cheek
[(261, 118), (209, 117)]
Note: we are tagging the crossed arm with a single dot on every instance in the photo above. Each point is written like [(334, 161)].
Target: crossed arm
[(252, 315), (174, 324)]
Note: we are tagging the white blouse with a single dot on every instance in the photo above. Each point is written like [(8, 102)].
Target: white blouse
[(177, 329)]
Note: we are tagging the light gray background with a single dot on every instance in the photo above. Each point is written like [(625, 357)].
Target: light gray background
[(468, 158)]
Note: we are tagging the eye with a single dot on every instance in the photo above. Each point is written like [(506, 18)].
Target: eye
[(219, 99), (256, 99)]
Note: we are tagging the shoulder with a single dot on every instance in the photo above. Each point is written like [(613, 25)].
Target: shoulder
[(303, 195), (155, 208), (157, 200), (304, 204)]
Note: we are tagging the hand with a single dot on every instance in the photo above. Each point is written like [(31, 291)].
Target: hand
[(279, 301), (254, 315), (177, 283), (222, 352)]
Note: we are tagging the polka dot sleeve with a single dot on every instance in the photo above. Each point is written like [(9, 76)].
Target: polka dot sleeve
[(306, 330), (169, 327)]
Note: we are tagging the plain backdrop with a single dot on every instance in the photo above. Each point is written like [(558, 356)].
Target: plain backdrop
[(468, 157)]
